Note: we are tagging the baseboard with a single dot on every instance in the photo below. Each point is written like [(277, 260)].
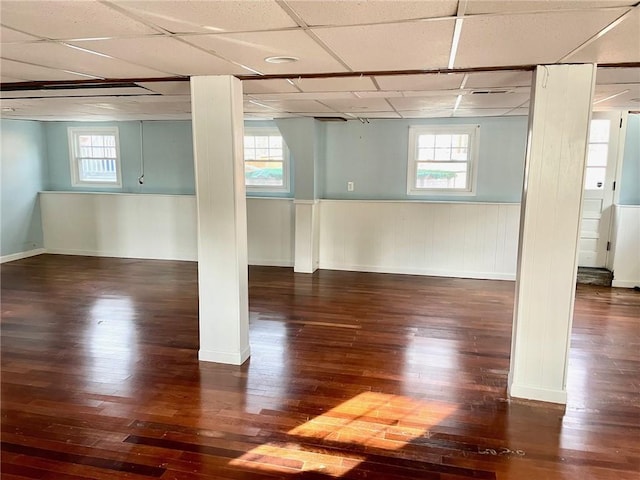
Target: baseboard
[(21, 255), (625, 283), (229, 358), (420, 271), (92, 253), (271, 263)]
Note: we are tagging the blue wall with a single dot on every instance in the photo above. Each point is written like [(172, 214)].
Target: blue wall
[(168, 156), (23, 174), (374, 156), (630, 181)]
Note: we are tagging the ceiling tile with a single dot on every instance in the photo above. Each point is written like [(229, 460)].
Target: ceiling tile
[(499, 79), (33, 72), (4, 79), (272, 97), (493, 100), (324, 13), (252, 48), (445, 81), (371, 114), (480, 112), (424, 103), (55, 55), (80, 92), (617, 75), (177, 57), (66, 19), (625, 97), (8, 35), (542, 38), (621, 44), (168, 88), (340, 84), (359, 104), (436, 113), (391, 47), (268, 86), (212, 16), (299, 106), (475, 7)]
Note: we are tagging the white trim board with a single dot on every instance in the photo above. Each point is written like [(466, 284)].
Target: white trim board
[(20, 255)]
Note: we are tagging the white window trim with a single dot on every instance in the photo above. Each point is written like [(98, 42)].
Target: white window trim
[(286, 186), (474, 133), (72, 133)]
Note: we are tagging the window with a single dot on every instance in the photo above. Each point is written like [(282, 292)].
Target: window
[(95, 156), (266, 160), (597, 155), (442, 159)]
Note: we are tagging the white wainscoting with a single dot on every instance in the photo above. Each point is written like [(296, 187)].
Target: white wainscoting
[(120, 225), (626, 246), (155, 226), (271, 231), (472, 240)]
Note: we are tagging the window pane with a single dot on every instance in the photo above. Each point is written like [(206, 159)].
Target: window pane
[(426, 154), (262, 153), (443, 154), (97, 152), (595, 176), (441, 175), (597, 156), (460, 140), (426, 140), (275, 154), (275, 142), (262, 142), (249, 142), (110, 141), (97, 170), (84, 140), (257, 173), (443, 140), (599, 131), (97, 140), (461, 154), (249, 154)]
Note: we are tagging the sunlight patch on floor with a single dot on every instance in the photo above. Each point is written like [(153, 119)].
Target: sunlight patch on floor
[(375, 421)]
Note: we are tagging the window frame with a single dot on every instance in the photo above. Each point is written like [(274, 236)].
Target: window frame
[(286, 183), (472, 130), (73, 134)]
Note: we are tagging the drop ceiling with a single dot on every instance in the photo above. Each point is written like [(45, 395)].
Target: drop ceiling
[(356, 59)]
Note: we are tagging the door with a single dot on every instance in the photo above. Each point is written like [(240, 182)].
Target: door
[(597, 206)]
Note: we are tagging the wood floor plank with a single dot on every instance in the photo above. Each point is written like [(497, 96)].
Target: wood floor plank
[(352, 375)]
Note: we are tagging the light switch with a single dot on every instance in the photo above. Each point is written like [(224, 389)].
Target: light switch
[(350, 186)]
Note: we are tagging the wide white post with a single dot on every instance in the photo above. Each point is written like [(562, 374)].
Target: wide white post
[(217, 119), (559, 119)]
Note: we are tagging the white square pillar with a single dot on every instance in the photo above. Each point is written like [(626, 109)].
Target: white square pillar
[(559, 120), (307, 236), (218, 131)]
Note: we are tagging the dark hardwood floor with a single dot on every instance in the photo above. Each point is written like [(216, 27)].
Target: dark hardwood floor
[(352, 375)]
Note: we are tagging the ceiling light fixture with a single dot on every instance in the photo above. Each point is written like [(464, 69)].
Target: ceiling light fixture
[(281, 59), (454, 44)]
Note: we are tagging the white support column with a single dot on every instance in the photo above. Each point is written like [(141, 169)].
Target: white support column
[(217, 117), (307, 240), (550, 230)]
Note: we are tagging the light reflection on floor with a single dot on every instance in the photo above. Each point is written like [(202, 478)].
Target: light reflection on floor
[(372, 420), (111, 341)]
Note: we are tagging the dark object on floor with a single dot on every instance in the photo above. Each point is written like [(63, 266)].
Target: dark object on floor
[(595, 276)]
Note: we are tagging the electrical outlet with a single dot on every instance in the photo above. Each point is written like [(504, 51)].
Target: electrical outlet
[(350, 186)]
